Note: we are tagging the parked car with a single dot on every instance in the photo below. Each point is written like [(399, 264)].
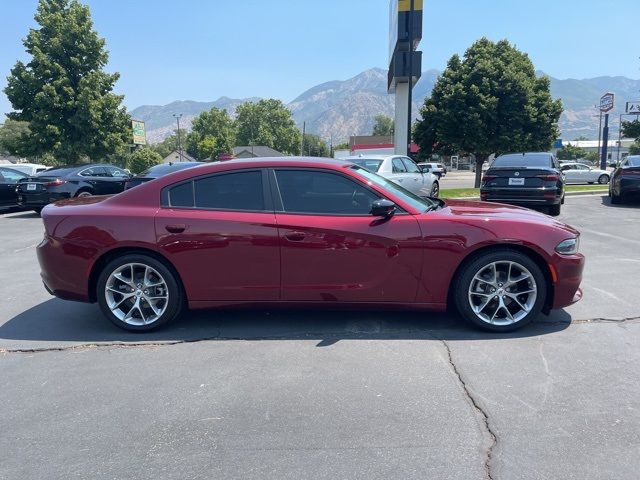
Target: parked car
[(580, 173), (438, 169), (401, 170), (29, 168), (528, 179), (59, 183), (158, 171), (9, 179), (305, 233), (625, 180)]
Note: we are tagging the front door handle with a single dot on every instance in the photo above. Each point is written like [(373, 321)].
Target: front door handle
[(177, 228), (295, 236)]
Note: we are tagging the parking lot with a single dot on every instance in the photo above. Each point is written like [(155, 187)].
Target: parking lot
[(291, 394)]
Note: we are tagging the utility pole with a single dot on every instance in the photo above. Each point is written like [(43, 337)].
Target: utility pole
[(605, 137), (304, 128), (178, 116)]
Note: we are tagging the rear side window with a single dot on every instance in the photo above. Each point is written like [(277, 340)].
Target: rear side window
[(232, 191), (182, 195), (410, 165)]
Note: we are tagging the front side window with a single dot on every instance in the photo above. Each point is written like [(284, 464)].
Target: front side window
[(116, 172), (398, 166), (317, 192), (94, 172), (231, 191), (410, 165)]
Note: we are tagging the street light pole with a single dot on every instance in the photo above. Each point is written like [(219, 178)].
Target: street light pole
[(410, 17), (178, 116)]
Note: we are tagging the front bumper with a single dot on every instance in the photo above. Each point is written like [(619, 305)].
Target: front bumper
[(567, 276)]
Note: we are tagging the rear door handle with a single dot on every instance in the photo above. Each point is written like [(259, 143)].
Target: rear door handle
[(295, 236), (177, 228)]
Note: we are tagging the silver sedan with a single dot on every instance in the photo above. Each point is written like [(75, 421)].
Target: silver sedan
[(401, 170), (575, 172)]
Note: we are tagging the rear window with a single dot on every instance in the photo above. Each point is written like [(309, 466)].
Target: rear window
[(166, 168), (520, 161), (371, 164), (58, 172)]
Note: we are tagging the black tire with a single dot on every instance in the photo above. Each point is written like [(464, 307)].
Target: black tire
[(38, 210), (603, 179), (175, 299), (84, 193), (615, 199), (435, 190), (554, 210), (590, 183), (463, 280)]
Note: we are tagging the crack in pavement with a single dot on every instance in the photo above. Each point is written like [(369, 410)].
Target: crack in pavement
[(493, 438)]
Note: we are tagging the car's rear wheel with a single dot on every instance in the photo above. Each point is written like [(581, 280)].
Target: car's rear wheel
[(435, 189), (554, 210), (84, 193), (603, 179), (500, 291), (615, 199), (138, 293)]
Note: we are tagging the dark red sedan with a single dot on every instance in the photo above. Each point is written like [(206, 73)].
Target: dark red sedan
[(304, 232)]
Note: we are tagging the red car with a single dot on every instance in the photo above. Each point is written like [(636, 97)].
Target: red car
[(303, 232)]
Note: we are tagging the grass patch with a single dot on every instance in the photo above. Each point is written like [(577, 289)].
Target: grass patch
[(475, 192)]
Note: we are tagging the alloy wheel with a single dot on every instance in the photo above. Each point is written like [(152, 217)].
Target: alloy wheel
[(502, 293), (136, 294)]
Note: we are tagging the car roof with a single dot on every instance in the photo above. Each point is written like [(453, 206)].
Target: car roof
[(370, 157)]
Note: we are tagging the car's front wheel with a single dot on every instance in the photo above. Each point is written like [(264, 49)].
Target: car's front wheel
[(138, 293), (500, 291), (603, 179)]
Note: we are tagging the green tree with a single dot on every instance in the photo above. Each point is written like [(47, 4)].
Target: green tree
[(267, 122), (383, 125), (213, 133), (632, 130), (490, 101), (571, 152), (314, 146), (141, 159), (171, 143), (14, 138), (591, 156), (342, 146), (63, 91)]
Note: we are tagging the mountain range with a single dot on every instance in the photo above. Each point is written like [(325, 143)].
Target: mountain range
[(340, 108)]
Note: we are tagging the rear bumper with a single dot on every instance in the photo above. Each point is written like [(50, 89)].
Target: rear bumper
[(63, 275), (629, 186), (527, 197), (40, 199), (567, 270)]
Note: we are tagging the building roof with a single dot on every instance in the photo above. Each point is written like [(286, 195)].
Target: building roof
[(175, 157), (256, 151), (625, 142)]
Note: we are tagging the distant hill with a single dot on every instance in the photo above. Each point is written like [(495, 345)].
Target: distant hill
[(339, 109)]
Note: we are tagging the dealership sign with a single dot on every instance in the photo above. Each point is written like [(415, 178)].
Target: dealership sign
[(633, 107), (606, 102), (139, 134)]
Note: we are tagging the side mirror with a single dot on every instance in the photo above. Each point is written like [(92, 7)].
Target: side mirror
[(425, 169), (383, 208)]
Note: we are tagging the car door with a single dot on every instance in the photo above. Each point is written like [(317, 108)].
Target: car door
[(417, 182), (118, 178), (333, 249), (583, 173), (399, 172), (8, 181), (220, 233), (570, 173)]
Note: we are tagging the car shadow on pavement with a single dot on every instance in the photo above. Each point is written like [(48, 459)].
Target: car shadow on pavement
[(55, 321), (628, 203)]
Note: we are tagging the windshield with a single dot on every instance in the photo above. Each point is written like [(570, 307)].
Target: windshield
[(633, 161), (419, 203), (372, 164), (521, 161)]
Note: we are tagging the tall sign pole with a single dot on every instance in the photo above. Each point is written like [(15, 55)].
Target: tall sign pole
[(405, 65), (607, 102)]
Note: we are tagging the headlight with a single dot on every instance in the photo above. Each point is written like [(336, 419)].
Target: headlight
[(568, 246)]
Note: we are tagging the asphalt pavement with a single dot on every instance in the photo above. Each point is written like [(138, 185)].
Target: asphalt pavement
[(324, 395)]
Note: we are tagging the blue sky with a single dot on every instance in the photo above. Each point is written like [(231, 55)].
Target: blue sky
[(203, 49)]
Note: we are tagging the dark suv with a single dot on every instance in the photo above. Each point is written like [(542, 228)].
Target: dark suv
[(72, 181), (526, 179)]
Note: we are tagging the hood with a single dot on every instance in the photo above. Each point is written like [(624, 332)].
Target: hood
[(499, 211)]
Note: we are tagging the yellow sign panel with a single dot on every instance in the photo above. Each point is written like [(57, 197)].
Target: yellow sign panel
[(139, 133), (405, 5)]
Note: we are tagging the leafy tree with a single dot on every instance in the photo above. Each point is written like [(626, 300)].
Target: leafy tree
[(571, 152), (13, 138), (631, 129), (342, 146), (142, 158), (267, 122), (213, 133), (169, 144), (383, 125), (490, 101), (63, 91), (634, 148), (314, 146), (591, 156)]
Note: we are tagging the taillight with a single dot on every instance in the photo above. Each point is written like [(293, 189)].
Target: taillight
[(55, 183), (487, 178), (549, 178)]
